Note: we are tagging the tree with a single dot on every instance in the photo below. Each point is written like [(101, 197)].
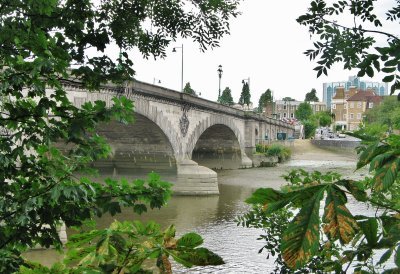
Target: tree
[(356, 45), (265, 98), (386, 113), (43, 46), (324, 118), (287, 99), (311, 96), (304, 111), (245, 95), (188, 89), (226, 97)]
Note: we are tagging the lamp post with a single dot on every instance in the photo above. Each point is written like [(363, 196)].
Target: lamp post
[(248, 81), (219, 76), (174, 50)]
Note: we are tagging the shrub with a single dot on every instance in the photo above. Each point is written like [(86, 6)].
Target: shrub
[(261, 148), (283, 153)]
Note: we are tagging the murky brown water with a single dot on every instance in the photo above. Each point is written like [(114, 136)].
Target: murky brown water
[(214, 216)]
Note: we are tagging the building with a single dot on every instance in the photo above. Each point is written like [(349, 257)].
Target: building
[(329, 89), (286, 109), (318, 107), (349, 107)]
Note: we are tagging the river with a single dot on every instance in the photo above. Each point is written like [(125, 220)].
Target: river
[(214, 216)]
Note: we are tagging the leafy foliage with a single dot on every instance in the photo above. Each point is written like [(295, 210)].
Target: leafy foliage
[(353, 44), (387, 114), (324, 118), (350, 240), (311, 96), (226, 97), (126, 247), (265, 98), (303, 111), (245, 95), (45, 140), (188, 89), (282, 152)]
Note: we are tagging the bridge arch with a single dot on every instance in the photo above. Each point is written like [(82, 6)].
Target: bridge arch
[(143, 108), (219, 141)]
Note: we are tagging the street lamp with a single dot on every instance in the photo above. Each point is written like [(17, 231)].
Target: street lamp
[(248, 81), (155, 80), (174, 50), (219, 76)]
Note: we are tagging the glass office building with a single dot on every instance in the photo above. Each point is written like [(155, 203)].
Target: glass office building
[(329, 89)]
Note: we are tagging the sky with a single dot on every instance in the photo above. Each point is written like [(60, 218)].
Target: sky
[(265, 45)]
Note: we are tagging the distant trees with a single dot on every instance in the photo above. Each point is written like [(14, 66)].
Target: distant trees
[(311, 96), (386, 114), (245, 95), (287, 99), (188, 89), (265, 98), (304, 111), (226, 97), (324, 118)]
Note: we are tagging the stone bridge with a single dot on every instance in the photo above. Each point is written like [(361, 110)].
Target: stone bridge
[(180, 135)]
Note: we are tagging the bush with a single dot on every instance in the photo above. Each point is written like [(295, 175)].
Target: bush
[(261, 148), (283, 153), (309, 128)]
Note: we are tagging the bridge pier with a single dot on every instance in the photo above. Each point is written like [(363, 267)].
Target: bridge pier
[(193, 179), (246, 162)]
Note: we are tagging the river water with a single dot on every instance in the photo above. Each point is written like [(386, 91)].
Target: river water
[(213, 217)]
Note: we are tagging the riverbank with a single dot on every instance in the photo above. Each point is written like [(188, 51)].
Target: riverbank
[(305, 155)]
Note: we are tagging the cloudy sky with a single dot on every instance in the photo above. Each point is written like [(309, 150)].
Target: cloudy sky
[(266, 44)]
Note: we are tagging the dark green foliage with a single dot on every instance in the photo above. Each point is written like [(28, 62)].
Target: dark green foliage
[(188, 89), (311, 96), (386, 114), (226, 97), (282, 152), (44, 46), (287, 99), (265, 98), (304, 111), (324, 118), (352, 44), (245, 95), (260, 148), (309, 128)]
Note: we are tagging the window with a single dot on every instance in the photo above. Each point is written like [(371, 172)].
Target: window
[(344, 116), (333, 106), (316, 108), (292, 115), (359, 104), (284, 115), (351, 115), (284, 107), (371, 105), (352, 105), (359, 116)]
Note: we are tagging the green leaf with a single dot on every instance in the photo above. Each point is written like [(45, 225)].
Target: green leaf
[(269, 198), (370, 229), (397, 257), (388, 78), (387, 174), (200, 256), (190, 240), (300, 241), (385, 256), (339, 222)]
